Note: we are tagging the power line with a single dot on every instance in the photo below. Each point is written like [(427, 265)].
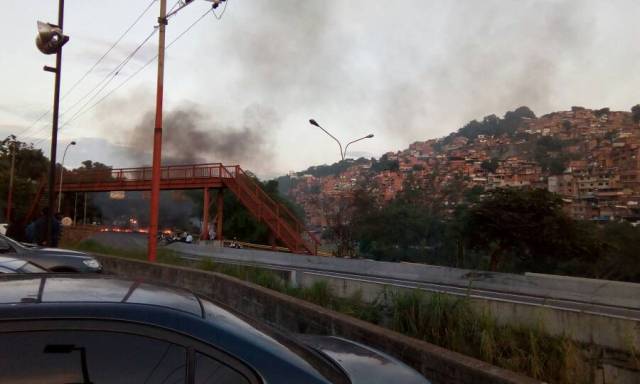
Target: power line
[(81, 112), (219, 17), (24, 133), (153, 59), (107, 79), (101, 85), (110, 49)]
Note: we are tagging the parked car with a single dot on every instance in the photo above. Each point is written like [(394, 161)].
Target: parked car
[(53, 259), (99, 329), (13, 265)]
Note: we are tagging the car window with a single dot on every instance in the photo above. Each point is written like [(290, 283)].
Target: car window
[(89, 356), (211, 371)]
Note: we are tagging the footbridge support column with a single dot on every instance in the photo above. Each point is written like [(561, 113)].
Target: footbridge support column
[(220, 215), (204, 234)]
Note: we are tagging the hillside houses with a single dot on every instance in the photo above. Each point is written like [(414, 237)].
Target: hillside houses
[(589, 157)]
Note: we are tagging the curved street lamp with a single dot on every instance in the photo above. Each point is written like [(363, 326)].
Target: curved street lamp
[(62, 173), (369, 136), (343, 154)]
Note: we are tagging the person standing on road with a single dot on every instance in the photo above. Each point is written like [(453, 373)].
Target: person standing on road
[(57, 230), (40, 229)]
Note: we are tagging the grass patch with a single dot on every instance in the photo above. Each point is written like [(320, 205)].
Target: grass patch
[(260, 276), (165, 256), (454, 324)]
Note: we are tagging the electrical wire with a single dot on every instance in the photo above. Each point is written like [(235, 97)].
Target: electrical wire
[(84, 76), (223, 11), (110, 49), (112, 75), (102, 84), (134, 74), (153, 59), (174, 7)]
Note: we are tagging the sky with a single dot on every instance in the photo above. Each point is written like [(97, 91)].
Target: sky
[(240, 89)]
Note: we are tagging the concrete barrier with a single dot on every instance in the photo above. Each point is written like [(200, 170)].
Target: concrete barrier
[(439, 365), (603, 292)]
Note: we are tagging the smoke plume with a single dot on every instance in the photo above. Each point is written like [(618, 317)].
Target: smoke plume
[(409, 66), (405, 70), (192, 136)]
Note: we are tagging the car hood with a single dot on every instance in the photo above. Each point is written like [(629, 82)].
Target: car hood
[(361, 363)]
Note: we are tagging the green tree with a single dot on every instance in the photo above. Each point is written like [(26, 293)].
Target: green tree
[(602, 112), (635, 113), (529, 224), (30, 169), (619, 259)]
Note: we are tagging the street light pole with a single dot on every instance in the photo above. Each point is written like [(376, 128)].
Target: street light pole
[(157, 138), (313, 122), (369, 136), (62, 173), (343, 154), (10, 194)]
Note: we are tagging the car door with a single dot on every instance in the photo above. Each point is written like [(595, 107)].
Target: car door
[(88, 351)]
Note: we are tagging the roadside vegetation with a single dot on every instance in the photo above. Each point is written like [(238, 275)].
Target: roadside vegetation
[(507, 230), (449, 322)]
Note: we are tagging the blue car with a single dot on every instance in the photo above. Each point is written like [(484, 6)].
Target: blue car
[(98, 329)]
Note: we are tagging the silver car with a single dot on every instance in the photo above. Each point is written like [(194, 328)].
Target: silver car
[(53, 259)]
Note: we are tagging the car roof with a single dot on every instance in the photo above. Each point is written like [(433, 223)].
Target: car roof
[(39, 296), (83, 289)]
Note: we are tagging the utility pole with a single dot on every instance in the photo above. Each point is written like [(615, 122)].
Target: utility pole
[(75, 209), (10, 195), (157, 132), (50, 40), (157, 138), (84, 215)]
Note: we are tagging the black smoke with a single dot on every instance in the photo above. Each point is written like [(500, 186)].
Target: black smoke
[(192, 136)]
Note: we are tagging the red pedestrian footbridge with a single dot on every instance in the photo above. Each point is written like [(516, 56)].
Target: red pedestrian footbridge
[(284, 225)]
